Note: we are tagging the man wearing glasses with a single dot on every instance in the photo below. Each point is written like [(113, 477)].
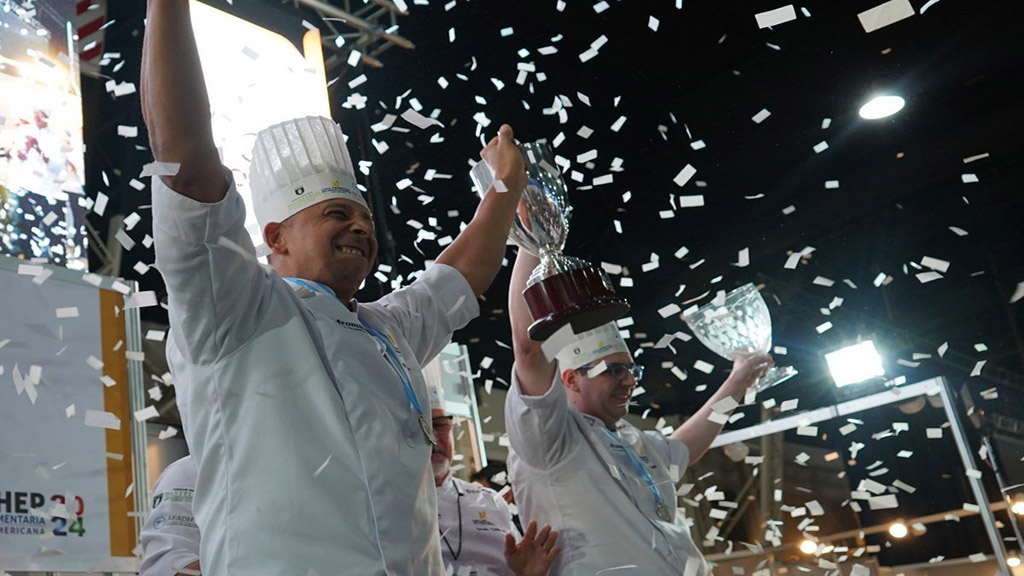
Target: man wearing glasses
[(478, 537), (608, 488)]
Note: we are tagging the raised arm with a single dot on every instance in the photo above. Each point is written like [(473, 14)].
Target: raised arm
[(478, 250), (175, 104), (699, 431), (534, 371)]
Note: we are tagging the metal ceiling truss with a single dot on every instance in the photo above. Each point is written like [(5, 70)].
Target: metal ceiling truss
[(370, 29)]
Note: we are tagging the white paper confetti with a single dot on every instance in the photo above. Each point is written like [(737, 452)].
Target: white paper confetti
[(885, 14)]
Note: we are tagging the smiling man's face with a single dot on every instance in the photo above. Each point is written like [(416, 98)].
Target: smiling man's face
[(332, 242)]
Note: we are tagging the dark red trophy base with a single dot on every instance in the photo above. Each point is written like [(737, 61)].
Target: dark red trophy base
[(578, 297)]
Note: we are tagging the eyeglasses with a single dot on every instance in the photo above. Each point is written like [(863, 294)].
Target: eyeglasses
[(442, 424), (618, 370)]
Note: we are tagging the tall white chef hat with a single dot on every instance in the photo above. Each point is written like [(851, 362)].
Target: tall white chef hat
[(299, 163), (592, 345)]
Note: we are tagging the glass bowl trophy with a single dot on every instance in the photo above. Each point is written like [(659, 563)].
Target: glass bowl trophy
[(739, 327), (562, 289)]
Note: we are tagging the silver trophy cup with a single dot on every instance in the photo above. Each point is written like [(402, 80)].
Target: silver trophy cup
[(739, 327), (562, 289)]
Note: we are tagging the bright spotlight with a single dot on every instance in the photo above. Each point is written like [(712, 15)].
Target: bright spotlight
[(1013, 561), (854, 364), (881, 106), (808, 547), (1018, 506), (898, 530)]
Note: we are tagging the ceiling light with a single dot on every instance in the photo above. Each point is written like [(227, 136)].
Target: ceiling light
[(808, 547), (898, 530), (854, 364), (881, 106), (1018, 506), (1013, 561)]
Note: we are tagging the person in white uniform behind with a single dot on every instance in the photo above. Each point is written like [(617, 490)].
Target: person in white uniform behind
[(307, 413), (608, 488), (477, 533), (170, 537)]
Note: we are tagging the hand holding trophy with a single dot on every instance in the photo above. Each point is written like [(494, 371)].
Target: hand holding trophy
[(740, 326), (562, 289)]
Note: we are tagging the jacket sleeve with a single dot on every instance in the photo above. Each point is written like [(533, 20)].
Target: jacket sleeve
[(540, 430), (170, 537), (216, 288)]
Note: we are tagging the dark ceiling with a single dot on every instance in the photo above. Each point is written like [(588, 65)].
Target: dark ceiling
[(702, 76)]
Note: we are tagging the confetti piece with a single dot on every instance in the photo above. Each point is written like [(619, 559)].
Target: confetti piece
[(885, 502), (146, 413), (976, 371), (691, 201), (669, 310), (725, 405), (822, 328), (684, 176), (597, 370), (420, 121), (822, 281), (788, 405), (69, 312), (743, 258), (933, 433), (831, 184), (775, 17), (557, 341), (124, 239), (322, 466), (761, 116), (141, 300), (969, 178), (1018, 293), (926, 277), (128, 131), (820, 147), (885, 14), (935, 264), (160, 169), (652, 23), (100, 419), (703, 366)]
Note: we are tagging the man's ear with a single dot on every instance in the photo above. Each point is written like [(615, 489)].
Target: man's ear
[(571, 380), (275, 238)]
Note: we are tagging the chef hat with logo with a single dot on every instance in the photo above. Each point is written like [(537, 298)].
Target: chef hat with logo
[(590, 346), (299, 163)]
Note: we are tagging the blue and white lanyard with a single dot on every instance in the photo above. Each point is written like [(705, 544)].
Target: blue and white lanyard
[(660, 507), (388, 351)]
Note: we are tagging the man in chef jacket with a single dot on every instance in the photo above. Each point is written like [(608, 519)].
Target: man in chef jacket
[(607, 488), (308, 417), (478, 537), (170, 537)]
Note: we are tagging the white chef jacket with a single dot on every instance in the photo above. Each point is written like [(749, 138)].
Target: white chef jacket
[(557, 463), (486, 518), (170, 537), (310, 459)]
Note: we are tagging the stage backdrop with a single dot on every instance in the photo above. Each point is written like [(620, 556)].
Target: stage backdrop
[(67, 468)]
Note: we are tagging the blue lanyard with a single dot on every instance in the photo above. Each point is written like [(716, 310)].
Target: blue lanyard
[(388, 350), (641, 469)]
